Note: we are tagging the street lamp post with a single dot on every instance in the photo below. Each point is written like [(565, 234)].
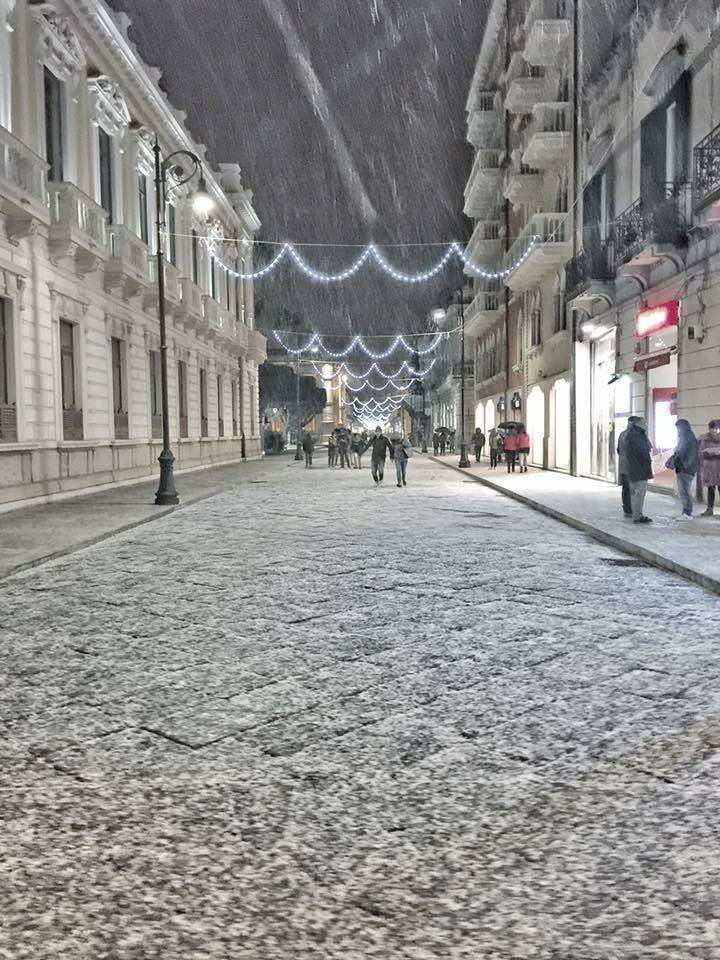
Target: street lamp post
[(464, 462), (166, 492), (298, 441)]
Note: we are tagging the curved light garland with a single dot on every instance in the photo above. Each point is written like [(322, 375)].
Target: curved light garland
[(365, 385), (417, 374), (357, 343), (370, 252)]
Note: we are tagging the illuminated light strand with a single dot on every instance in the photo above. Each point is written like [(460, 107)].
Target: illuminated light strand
[(359, 344), (365, 385), (371, 252), (343, 367)]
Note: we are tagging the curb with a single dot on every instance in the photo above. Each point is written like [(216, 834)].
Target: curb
[(597, 533), (91, 541)]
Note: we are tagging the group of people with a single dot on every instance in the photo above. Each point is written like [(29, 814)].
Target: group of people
[(443, 441), (346, 447), (690, 458), (513, 444)]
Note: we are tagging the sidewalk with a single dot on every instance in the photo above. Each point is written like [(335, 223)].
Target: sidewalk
[(689, 549), (33, 534)]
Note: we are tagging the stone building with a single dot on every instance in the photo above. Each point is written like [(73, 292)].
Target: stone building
[(645, 285), (79, 332)]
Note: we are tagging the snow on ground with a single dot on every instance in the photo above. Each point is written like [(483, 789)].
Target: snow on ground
[(311, 719)]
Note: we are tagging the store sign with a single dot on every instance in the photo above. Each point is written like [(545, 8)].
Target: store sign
[(657, 318), (643, 364)]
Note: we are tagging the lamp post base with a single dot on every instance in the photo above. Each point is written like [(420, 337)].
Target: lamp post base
[(464, 462), (166, 493)]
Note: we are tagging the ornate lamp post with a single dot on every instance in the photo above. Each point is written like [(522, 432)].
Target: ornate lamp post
[(464, 461), (203, 203)]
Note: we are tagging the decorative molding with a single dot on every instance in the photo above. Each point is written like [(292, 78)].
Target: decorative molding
[(119, 328), (144, 143), (58, 44), (151, 339), (13, 286), (111, 110), (66, 307)]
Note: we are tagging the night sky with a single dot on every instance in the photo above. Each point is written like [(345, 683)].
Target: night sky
[(347, 118)]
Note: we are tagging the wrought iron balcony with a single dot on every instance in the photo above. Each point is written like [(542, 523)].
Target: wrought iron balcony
[(23, 187), (549, 143), (706, 171), (484, 181), (590, 276), (78, 228), (642, 233), (547, 32), (552, 233), (484, 121)]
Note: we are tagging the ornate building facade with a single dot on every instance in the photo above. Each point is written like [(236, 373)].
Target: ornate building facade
[(80, 397)]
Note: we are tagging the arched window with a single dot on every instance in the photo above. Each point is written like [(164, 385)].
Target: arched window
[(521, 338), (536, 321), (559, 311)]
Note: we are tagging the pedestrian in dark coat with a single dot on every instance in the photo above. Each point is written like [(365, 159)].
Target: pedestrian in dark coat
[(637, 451), (380, 446), (710, 464), (308, 446), (478, 439), (622, 467), (685, 461)]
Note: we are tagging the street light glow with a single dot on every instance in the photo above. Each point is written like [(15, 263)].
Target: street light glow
[(203, 203)]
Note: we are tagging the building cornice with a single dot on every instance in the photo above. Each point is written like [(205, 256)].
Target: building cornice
[(108, 30)]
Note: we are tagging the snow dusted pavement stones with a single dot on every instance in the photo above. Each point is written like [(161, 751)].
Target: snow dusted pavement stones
[(311, 720)]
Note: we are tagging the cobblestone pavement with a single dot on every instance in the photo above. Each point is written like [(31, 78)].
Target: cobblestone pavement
[(311, 719)]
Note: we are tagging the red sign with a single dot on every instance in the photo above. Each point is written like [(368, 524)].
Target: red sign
[(657, 318), (649, 363)]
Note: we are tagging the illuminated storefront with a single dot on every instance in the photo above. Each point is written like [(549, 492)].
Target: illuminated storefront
[(656, 335)]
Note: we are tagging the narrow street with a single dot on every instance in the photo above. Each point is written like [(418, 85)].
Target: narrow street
[(305, 718)]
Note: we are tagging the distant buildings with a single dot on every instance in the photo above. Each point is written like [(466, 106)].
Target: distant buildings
[(615, 167), (79, 336)]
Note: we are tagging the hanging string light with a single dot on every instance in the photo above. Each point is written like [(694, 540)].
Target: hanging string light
[(357, 343), (371, 252), (343, 369)]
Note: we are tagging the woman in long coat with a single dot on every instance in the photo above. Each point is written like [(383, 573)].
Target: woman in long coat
[(710, 464)]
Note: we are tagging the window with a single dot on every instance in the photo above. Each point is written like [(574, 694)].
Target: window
[(194, 256), (182, 397), (664, 145), (521, 340), (536, 327), (220, 408), (54, 133), (143, 210), (8, 413), (234, 401), (172, 233), (213, 277), (203, 403), (155, 394), (105, 153), (227, 289), (72, 414), (117, 350), (238, 299)]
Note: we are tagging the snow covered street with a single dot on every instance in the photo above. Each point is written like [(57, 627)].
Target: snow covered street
[(309, 719)]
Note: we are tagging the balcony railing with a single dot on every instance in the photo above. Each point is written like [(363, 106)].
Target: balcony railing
[(457, 369), (8, 422), (551, 249), (524, 92), (190, 306), (547, 31), (594, 264), (171, 285), (23, 184), (127, 267), (484, 119), (72, 425), (485, 178), (549, 140), (706, 170), (641, 226), (71, 208)]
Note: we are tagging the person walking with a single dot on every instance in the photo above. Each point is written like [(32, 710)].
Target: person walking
[(332, 449), (511, 448), (435, 443), (478, 439), (443, 443), (637, 451), (402, 451), (622, 466), (710, 464), (493, 441), (308, 445), (380, 446), (343, 446), (451, 442), (523, 450), (685, 461)]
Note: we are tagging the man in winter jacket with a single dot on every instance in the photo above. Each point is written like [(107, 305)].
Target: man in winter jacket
[(380, 446), (637, 462), (308, 446), (622, 466), (685, 462)]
